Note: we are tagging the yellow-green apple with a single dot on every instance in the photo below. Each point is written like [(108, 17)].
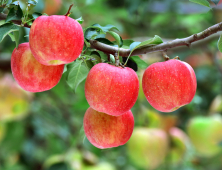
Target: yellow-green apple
[(147, 147), (216, 105), (169, 85), (206, 134), (179, 145), (30, 74), (14, 101), (110, 89), (52, 6), (100, 166), (106, 131), (56, 40)]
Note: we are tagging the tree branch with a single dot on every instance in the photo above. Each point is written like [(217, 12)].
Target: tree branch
[(161, 47)]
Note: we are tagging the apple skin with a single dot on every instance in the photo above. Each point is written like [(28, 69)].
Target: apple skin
[(52, 6), (56, 40), (205, 134), (110, 89), (147, 147), (169, 85), (179, 145), (106, 131), (30, 74)]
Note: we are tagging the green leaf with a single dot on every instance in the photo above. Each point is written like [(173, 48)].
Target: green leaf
[(7, 28), (116, 36), (14, 14), (36, 15), (219, 43), (12, 36), (77, 72), (16, 35), (103, 56), (105, 28), (33, 2), (140, 63), (96, 56), (92, 33), (201, 2), (215, 1), (80, 20), (153, 41), (105, 41)]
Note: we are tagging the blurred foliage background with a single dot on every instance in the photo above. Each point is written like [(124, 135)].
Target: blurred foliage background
[(44, 131)]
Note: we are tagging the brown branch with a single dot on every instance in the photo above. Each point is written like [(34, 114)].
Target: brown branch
[(161, 47)]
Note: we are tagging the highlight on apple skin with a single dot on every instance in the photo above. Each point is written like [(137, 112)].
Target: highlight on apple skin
[(30, 74), (56, 40), (106, 131), (110, 89), (148, 147), (169, 85)]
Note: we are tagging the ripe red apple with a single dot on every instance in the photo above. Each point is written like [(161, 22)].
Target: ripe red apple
[(110, 89), (106, 131), (30, 74), (56, 40), (147, 147), (169, 85), (52, 6), (206, 134)]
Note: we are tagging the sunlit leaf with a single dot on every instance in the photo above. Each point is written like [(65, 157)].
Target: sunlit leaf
[(80, 20), (219, 43), (116, 36), (140, 63)]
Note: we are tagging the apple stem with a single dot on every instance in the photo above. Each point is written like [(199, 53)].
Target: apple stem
[(178, 58), (116, 55), (165, 56), (68, 12)]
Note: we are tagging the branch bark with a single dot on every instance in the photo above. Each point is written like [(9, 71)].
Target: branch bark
[(161, 47)]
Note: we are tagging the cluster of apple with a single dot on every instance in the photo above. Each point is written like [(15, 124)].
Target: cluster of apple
[(53, 41), (111, 91)]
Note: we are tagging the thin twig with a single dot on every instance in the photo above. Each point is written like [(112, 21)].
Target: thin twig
[(68, 12)]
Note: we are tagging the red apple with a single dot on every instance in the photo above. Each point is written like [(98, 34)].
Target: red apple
[(52, 6), (169, 85), (30, 74), (147, 147), (106, 131), (110, 89), (56, 40)]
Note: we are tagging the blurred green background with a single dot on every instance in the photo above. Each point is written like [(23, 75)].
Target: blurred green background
[(44, 131)]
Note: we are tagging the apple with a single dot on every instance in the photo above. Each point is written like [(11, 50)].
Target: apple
[(100, 166), (206, 134), (52, 6), (56, 40), (179, 145), (169, 85), (147, 147), (30, 74), (216, 105), (110, 89), (107, 131), (14, 101)]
